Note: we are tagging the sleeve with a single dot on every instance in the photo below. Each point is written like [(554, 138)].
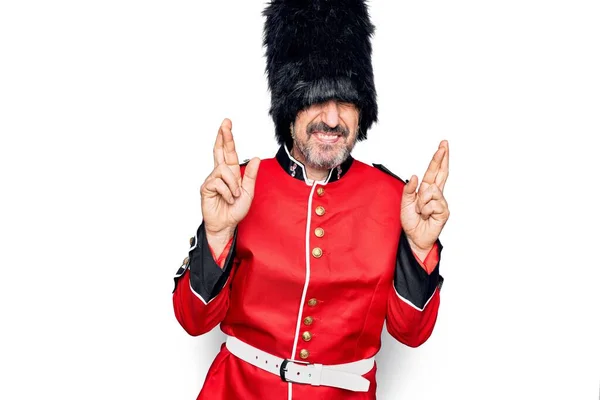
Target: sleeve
[(414, 297), (201, 294)]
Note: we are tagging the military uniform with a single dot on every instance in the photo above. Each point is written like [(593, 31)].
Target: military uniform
[(312, 273)]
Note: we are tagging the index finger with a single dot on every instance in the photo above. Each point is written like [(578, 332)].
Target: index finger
[(218, 155), (442, 176), (434, 166), (229, 153), (231, 157)]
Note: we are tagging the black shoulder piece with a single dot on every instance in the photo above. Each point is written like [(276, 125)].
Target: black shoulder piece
[(387, 171)]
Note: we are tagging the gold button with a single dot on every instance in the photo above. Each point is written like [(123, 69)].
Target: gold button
[(320, 210), (317, 252), (319, 232), (191, 241), (186, 261), (320, 191), (312, 302), (306, 336), (304, 354), (308, 320)]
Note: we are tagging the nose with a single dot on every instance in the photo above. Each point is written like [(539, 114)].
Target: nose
[(330, 113)]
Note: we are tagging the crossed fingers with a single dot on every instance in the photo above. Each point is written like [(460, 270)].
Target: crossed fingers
[(437, 171), (225, 179), (431, 203), (224, 150)]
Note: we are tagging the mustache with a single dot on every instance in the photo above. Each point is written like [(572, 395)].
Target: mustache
[(323, 127)]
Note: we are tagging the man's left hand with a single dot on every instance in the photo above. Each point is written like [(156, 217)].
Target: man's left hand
[(424, 212)]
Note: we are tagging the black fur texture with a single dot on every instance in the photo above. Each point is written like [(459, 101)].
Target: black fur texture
[(318, 50)]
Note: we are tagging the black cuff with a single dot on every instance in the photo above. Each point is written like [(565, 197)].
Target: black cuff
[(207, 278), (413, 284)]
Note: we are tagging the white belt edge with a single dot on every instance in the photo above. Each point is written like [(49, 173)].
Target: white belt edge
[(343, 376)]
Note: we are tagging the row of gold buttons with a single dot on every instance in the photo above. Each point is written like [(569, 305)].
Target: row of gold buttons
[(316, 252), (319, 232), (306, 335)]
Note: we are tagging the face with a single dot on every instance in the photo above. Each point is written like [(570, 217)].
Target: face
[(325, 133)]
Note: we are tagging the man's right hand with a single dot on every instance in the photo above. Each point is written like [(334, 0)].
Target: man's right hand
[(225, 195)]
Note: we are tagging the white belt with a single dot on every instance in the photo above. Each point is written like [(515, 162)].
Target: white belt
[(344, 376)]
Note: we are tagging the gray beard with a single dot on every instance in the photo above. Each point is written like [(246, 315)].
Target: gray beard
[(315, 160)]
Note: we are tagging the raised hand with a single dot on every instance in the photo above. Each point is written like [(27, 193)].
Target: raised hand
[(225, 195), (425, 212)]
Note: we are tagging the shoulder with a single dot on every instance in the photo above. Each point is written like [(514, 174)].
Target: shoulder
[(380, 174), (385, 170), (265, 163)]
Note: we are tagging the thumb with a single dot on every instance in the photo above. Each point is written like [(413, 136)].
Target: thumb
[(249, 179), (410, 190)]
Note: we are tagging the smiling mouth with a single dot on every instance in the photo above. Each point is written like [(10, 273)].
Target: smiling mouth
[(327, 137)]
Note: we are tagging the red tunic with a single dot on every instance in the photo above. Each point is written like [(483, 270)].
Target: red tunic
[(314, 270)]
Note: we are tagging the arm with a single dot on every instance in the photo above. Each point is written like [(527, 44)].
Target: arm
[(414, 297), (201, 294)]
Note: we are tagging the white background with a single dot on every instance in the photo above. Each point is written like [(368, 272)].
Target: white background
[(108, 113)]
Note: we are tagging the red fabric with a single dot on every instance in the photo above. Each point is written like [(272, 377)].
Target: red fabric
[(191, 312), (352, 282), (431, 260), (223, 256)]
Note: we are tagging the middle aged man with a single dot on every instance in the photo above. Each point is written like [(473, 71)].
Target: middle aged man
[(302, 260)]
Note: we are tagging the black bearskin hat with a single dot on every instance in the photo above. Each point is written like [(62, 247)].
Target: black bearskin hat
[(318, 50)]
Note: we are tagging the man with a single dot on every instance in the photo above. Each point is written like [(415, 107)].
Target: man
[(302, 257)]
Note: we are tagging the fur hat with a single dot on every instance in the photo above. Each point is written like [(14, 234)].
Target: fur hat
[(318, 50)]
